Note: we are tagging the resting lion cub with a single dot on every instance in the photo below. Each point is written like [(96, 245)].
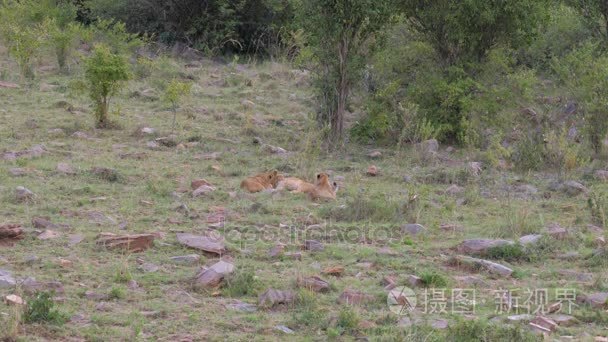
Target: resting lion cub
[(323, 189), (294, 184), (261, 182)]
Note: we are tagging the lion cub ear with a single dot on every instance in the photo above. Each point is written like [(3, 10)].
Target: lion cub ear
[(275, 173), (318, 176)]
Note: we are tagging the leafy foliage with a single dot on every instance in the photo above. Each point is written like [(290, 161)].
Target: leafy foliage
[(105, 73), (41, 309)]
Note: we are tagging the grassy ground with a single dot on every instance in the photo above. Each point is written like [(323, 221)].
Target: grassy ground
[(215, 132)]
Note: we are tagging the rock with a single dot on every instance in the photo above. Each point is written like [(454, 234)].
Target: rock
[(203, 243), (414, 281), (408, 179), (13, 300), (186, 259), (313, 245), (6, 279), (294, 255), (352, 297), (274, 149), (75, 239), (412, 228), (80, 135), (334, 270), (543, 323), (489, 266), (247, 104), (272, 297), (564, 320), (276, 251), (314, 283), (65, 169), (430, 146), (471, 281), (454, 190), (58, 132), (23, 194), (133, 243), (9, 233), (451, 227), (574, 188), (242, 306), (598, 300), (530, 239), (95, 296), (49, 234), (43, 223), (65, 263), (152, 145), (601, 175), (372, 171), (132, 285), (439, 324), (202, 191), (475, 168), (213, 276), (481, 246), (147, 130), (149, 267), (284, 329), (557, 232), (197, 183), (375, 154), (600, 241), (31, 286), (520, 318), (578, 276), (9, 85), (18, 172), (110, 175)]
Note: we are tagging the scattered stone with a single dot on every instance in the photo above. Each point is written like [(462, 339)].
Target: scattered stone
[(598, 300), (49, 234), (132, 285), (471, 281), (23, 194), (601, 175), (197, 183), (313, 245), (294, 255), (520, 318), (489, 266), (355, 297), (578, 276), (284, 329), (6, 279), (334, 270), (242, 306), (247, 104), (133, 243), (564, 320), (543, 323), (31, 260), (413, 228), (10, 85), (18, 172), (454, 190), (147, 130), (450, 227), (202, 191), (375, 154), (149, 267), (9, 233), (475, 168), (600, 241), (186, 259), (203, 243), (439, 324), (107, 174), (574, 188), (13, 300), (43, 223), (530, 239), (65, 169), (314, 283), (95, 296), (481, 246), (414, 281), (272, 297), (557, 232), (372, 171), (276, 251), (274, 149), (153, 145), (430, 146), (30, 286), (80, 135), (75, 239)]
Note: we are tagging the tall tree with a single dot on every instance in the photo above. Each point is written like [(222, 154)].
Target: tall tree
[(340, 37)]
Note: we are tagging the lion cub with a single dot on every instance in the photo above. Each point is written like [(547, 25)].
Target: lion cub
[(323, 189), (261, 182), (294, 184)]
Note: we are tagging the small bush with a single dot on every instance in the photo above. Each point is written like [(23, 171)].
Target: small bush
[(41, 309), (307, 312), (598, 207), (117, 293), (241, 283), (433, 279), (514, 252), (105, 73), (348, 319)]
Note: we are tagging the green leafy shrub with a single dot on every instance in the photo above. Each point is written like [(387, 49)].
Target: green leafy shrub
[(174, 93), (508, 252), (433, 279), (105, 73), (41, 309)]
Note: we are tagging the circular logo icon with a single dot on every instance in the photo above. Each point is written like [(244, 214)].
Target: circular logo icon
[(401, 300)]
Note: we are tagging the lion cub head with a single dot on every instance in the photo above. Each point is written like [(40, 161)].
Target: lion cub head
[(262, 181), (323, 189)]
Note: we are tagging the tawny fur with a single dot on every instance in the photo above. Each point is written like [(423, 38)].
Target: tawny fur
[(323, 189), (261, 182), (294, 184)]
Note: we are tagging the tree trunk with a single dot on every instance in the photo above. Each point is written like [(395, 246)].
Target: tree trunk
[(337, 119)]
